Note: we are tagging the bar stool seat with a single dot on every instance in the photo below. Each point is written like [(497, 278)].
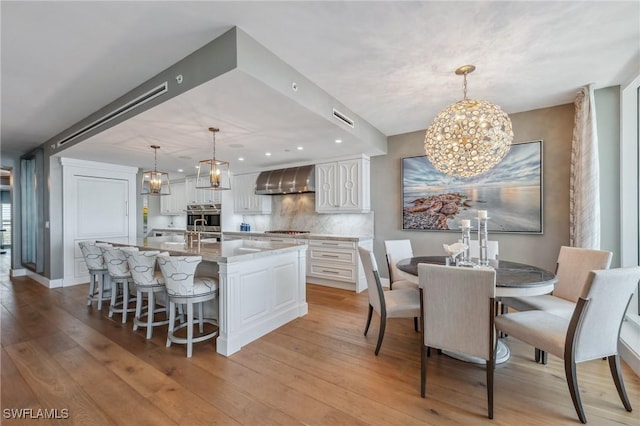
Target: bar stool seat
[(184, 288), (148, 282), (99, 284), (116, 260)]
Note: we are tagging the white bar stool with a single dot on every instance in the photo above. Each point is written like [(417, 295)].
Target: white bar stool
[(116, 260), (147, 282), (98, 273), (183, 288)]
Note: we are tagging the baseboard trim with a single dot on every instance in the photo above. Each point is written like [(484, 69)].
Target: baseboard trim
[(17, 272), (46, 282)]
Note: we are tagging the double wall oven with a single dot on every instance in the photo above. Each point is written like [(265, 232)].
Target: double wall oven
[(203, 217)]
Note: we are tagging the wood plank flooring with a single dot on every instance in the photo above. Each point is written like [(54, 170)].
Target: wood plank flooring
[(57, 353)]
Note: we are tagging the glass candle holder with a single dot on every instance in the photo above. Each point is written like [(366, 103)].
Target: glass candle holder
[(466, 239), (483, 237)]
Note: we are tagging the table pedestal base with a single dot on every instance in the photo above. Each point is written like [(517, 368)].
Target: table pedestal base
[(502, 355)]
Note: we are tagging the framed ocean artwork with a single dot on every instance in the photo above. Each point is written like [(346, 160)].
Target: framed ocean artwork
[(511, 192)]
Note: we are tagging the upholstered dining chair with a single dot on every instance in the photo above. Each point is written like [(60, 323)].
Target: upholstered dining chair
[(116, 260), (572, 271), (98, 273), (183, 287), (592, 331), (397, 250), (400, 303), (148, 282), (458, 309)]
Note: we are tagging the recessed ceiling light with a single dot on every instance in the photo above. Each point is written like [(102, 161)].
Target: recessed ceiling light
[(180, 170), (300, 148), (240, 158), (198, 166), (268, 154), (338, 140)]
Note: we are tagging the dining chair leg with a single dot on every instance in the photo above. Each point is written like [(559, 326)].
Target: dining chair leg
[(423, 369), (537, 355), (415, 324), (572, 381), (383, 325), (614, 366), (366, 328), (543, 357), (490, 365)]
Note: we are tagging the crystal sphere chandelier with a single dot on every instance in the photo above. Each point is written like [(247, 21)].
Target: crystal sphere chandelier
[(469, 137)]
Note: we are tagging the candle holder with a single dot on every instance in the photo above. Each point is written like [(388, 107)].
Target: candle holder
[(483, 237), (466, 239)]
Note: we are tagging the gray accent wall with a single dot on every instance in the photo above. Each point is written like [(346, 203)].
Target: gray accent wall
[(553, 125)]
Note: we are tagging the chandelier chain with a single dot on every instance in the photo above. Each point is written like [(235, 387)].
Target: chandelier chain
[(465, 86)]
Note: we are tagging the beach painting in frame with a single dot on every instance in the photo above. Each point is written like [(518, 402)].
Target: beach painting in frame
[(511, 192)]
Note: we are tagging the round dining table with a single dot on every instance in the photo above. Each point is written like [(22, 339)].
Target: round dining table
[(512, 280)]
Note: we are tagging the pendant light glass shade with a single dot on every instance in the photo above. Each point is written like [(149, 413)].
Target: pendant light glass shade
[(155, 182), (469, 137), (214, 174)]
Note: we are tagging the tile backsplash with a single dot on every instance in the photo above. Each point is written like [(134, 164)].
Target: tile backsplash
[(298, 211)]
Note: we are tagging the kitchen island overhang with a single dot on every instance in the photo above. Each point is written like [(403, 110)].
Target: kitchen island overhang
[(262, 285)]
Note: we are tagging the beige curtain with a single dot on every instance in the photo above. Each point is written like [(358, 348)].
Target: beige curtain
[(584, 192)]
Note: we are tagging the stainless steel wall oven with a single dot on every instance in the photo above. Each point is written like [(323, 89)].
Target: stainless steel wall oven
[(208, 215)]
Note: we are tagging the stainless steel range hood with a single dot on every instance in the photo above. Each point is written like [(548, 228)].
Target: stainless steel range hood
[(287, 181)]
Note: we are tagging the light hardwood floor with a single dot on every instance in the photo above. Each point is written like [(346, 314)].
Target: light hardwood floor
[(316, 370)]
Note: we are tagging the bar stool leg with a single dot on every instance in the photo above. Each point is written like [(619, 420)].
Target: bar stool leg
[(125, 300), (103, 278), (201, 318), (172, 320), (151, 307), (138, 309), (114, 296), (92, 288), (189, 329)]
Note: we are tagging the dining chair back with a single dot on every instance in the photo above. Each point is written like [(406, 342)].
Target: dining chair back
[(395, 251), (574, 265), (400, 303), (592, 332), (458, 308)]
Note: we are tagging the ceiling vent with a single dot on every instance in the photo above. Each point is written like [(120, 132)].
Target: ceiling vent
[(342, 118), (129, 106)]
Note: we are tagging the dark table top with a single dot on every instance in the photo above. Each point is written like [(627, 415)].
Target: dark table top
[(520, 278)]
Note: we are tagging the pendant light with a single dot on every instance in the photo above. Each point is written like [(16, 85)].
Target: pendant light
[(469, 137), (214, 174), (155, 182)]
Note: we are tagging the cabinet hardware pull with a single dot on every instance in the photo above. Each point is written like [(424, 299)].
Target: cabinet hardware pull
[(330, 255), (330, 272)]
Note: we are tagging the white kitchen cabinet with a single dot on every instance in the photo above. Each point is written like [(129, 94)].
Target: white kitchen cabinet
[(336, 263), (343, 186), (199, 195), (245, 200), (175, 203)]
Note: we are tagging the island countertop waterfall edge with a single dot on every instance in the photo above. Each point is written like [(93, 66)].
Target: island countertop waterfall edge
[(262, 285)]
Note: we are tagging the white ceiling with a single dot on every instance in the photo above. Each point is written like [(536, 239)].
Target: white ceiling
[(390, 62)]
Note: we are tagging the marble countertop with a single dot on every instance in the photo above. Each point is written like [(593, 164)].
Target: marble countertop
[(300, 236), (219, 252)]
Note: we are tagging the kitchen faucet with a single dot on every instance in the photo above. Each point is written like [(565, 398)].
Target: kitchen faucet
[(195, 223)]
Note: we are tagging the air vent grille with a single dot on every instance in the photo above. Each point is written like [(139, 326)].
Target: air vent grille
[(129, 106), (343, 118)]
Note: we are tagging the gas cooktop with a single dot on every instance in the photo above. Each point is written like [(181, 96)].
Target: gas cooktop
[(286, 231)]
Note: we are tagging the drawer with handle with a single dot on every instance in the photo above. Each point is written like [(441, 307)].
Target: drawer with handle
[(332, 244), (337, 256), (346, 273)]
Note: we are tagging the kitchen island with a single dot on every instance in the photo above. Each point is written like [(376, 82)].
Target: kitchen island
[(261, 284)]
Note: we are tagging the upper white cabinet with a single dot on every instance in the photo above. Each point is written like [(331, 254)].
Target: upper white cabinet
[(245, 200), (176, 202), (201, 196), (343, 186)]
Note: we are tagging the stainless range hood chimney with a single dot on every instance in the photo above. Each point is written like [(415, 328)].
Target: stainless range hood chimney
[(287, 181)]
